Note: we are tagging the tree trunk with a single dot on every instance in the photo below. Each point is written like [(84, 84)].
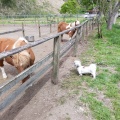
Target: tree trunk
[(115, 18), (110, 22), (112, 15)]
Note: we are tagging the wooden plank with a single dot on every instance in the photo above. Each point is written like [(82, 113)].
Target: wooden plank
[(11, 31), (23, 74), (23, 87)]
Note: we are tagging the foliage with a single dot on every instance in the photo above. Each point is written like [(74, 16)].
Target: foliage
[(8, 3), (71, 7), (88, 4), (109, 8)]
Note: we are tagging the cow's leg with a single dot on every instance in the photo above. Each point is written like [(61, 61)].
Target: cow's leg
[(70, 35), (70, 38), (20, 69), (3, 72), (2, 69)]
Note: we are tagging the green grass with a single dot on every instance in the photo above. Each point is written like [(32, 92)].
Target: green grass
[(106, 53), (100, 112)]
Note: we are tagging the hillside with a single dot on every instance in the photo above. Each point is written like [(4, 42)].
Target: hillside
[(30, 7), (51, 5)]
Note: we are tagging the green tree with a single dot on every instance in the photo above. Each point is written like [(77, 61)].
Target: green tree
[(8, 3), (109, 8), (87, 4), (113, 8), (71, 7)]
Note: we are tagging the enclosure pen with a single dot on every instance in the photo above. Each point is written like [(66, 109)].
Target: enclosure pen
[(52, 58)]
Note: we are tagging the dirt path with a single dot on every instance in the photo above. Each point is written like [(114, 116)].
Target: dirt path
[(45, 101)]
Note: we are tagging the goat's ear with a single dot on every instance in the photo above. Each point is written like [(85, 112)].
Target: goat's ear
[(11, 56)]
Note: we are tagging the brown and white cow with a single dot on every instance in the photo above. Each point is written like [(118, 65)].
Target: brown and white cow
[(21, 60), (64, 26)]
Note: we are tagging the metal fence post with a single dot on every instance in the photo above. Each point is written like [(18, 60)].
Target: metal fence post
[(56, 56)]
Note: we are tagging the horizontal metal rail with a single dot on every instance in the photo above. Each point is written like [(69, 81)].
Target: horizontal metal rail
[(35, 43), (11, 31)]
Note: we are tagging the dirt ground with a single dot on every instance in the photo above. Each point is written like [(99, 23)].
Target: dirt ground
[(44, 100)]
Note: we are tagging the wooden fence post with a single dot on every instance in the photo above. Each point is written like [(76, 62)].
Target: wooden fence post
[(83, 31), (89, 25), (23, 32), (14, 20), (77, 37), (24, 19), (35, 19), (50, 27), (64, 18), (80, 33), (92, 24), (56, 55), (86, 28), (39, 28)]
